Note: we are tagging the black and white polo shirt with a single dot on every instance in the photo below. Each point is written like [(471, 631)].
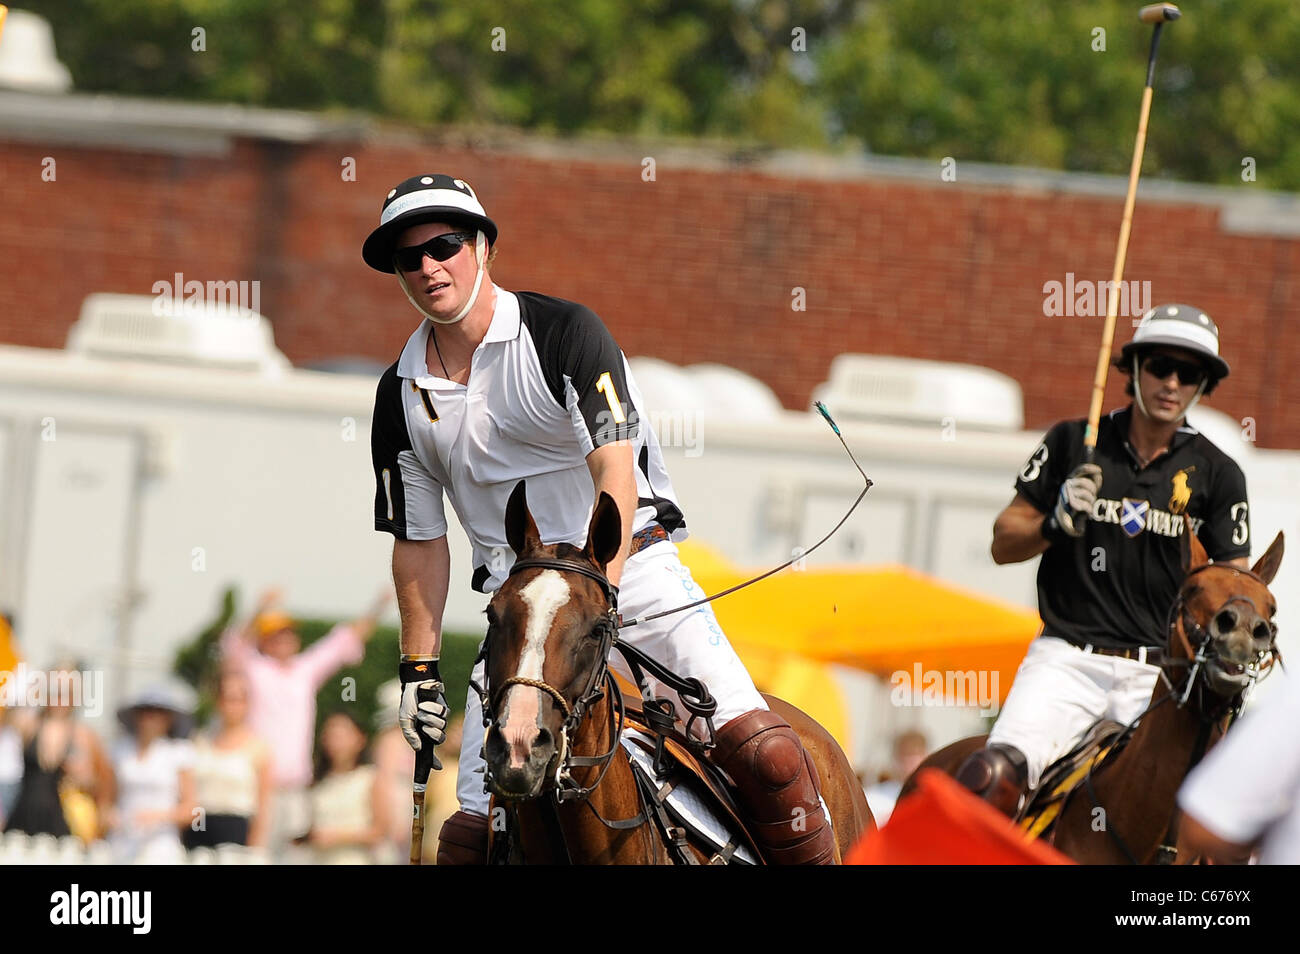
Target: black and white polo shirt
[(547, 386)]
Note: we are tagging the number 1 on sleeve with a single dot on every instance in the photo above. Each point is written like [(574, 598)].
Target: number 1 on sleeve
[(605, 384)]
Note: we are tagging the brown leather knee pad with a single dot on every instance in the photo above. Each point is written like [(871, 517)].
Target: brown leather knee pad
[(999, 774), (463, 840), (777, 786)]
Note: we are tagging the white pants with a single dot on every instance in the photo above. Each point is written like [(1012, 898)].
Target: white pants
[(1060, 691), (690, 644)]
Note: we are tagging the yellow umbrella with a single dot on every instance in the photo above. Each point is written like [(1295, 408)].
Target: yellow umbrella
[(887, 620)]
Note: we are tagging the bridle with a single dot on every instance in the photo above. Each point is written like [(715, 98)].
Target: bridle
[(1196, 639), (1200, 648), (693, 696), (600, 682)]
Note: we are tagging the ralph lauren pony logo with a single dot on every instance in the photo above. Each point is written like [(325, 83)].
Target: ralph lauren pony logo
[(1182, 492)]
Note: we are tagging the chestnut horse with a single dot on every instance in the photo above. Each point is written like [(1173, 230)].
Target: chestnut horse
[(569, 793), (1220, 636)]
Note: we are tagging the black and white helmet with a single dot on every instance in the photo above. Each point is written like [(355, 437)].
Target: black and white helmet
[(427, 198), (1179, 326)]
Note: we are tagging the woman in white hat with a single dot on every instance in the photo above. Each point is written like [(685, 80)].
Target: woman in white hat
[(154, 766)]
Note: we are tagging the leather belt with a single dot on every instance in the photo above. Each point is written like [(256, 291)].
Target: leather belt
[(647, 536), (1143, 654)]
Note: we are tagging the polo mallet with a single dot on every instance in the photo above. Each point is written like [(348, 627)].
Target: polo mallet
[(423, 766), (1159, 14)]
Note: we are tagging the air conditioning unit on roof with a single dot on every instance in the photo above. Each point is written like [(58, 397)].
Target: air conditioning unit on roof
[(912, 391), (154, 328)]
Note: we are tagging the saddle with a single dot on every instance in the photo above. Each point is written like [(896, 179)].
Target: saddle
[(688, 797), (1101, 743)]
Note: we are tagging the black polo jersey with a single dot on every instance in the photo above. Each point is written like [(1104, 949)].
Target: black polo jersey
[(1113, 586)]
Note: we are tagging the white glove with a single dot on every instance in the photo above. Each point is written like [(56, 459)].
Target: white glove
[(1076, 499), (423, 718)]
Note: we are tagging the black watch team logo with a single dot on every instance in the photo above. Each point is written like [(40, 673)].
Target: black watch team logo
[(1134, 516)]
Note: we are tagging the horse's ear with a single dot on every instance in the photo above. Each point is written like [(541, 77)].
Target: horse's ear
[(1193, 554), (1266, 566), (521, 531), (605, 535)]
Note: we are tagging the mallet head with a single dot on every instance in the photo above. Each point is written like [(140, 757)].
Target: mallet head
[(1159, 13)]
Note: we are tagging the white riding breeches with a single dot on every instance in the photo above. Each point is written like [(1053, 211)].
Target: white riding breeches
[(1060, 691), (691, 644)]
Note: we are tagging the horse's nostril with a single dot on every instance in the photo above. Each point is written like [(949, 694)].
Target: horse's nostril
[(1262, 632), (543, 740), (1226, 621)]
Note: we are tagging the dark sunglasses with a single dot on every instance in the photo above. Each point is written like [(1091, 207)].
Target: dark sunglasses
[(1159, 366), (439, 248)]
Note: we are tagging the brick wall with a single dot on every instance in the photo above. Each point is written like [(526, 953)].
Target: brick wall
[(696, 266)]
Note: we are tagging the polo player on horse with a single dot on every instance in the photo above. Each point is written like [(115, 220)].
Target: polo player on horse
[(1111, 563)]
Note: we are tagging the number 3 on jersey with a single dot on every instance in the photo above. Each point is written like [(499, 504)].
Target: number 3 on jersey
[(1241, 529), (1035, 463), (605, 385)]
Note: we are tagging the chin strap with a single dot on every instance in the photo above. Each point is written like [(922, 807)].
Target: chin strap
[(480, 256), (1137, 392)]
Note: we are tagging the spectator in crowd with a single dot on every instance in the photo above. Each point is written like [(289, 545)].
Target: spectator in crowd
[(67, 784), (232, 773), (909, 751), (349, 817), (11, 742), (11, 763), (1244, 798), (284, 680), (155, 777)]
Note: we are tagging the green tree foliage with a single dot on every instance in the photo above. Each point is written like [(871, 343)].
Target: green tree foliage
[(1021, 82), (1018, 81)]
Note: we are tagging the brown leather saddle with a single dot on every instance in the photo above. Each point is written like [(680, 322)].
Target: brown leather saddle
[(684, 789), (1062, 779)]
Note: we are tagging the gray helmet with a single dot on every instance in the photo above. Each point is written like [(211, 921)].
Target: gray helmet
[(1179, 326)]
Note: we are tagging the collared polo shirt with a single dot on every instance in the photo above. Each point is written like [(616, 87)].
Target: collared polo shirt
[(1113, 586), (547, 385)]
